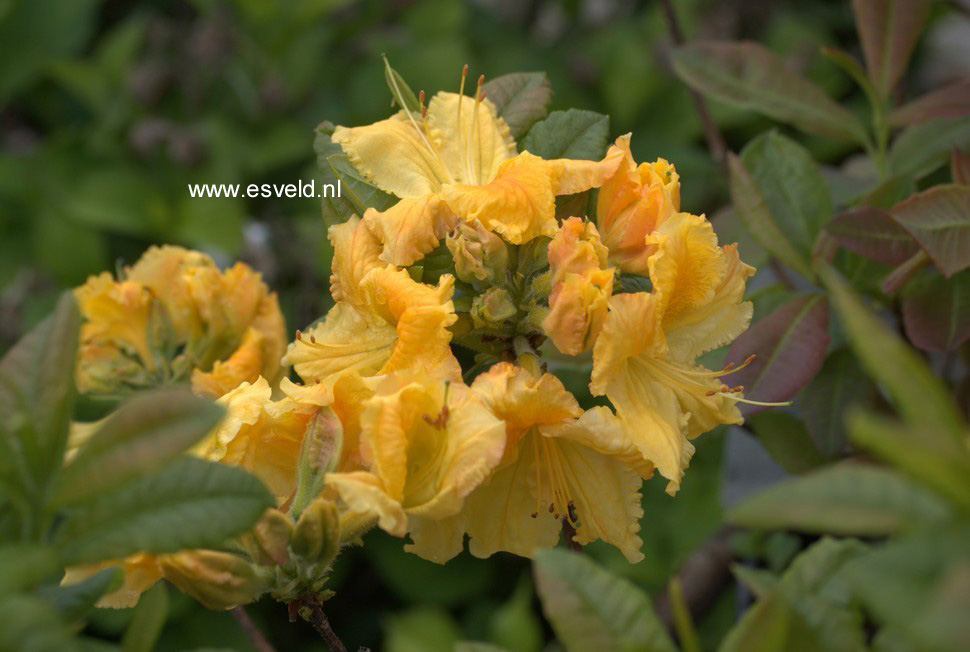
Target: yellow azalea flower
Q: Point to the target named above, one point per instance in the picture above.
(142, 571)
(457, 161)
(582, 285)
(560, 466)
(632, 204)
(427, 443)
(391, 322)
(644, 358)
(175, 316)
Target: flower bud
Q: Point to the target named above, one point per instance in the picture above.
(576, 248)
(578, 308)
(493, 308)
(632, 204)
(268, 542)
(316, 537)
(480, 255)
(219, 580)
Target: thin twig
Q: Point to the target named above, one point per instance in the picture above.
(715, 141)
(252, 631)
(310, 609)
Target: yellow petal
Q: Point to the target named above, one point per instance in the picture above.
(606, 497)
(363, 492)
(395, 155)
(115, 315)
(436, 540)
(349, 339)
(142, 571)
(577, 310)
(356, 251)
(576, 248)
(246, 364)
(519, 204)
(631, 327)
(472, 141)
(571, 176)
(167, 271)
(410, 228)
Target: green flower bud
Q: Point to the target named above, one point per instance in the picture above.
(268, 542)
(491, 309)
(479, 255)
(219, 580)
(316, 538)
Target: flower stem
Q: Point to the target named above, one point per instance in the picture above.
(310, 609)
(256, 637)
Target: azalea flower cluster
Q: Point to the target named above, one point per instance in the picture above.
(428, 375)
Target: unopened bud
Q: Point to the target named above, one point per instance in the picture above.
(493, 308)
(219, 580)
(479, 254)
(316, 537)
(322, 448)
(268, 542)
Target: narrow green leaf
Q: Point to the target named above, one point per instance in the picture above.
(920, 396)
(521, 98)
(29, 623)
(849, 499)
(572, 134)
(145, 433)
(770, 625)
(939, 463)
(939, 219)
(959, 167)
(825, 401)
(147, 623)
(37, 393)
(24, 566)
(75, 601)
(400, 91)
(851, 66)
(889, 30)
(759, 581)
(936, 311)
(190, 503)
(951, 101)
(922, 148)
(787, 441)
(794, 190)
(754, 212)
(789, 345)
(357, 193)
(748, 75)
(919, 585)
(592, 610)
(820, 563)
(872, 233)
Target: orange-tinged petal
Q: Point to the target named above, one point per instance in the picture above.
(356, 251)
(142, 571)
(246, 364)
(410, 228)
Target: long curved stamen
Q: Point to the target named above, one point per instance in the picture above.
(471, 170)
(728, 369)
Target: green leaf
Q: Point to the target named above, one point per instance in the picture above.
(849, 499)
(917, 392)
(37, 397)
(147, 623)
(919, 585)
(145, 433)
(889, 30)
(770, 625)
(357, 193)
(75, 601)
(789, 345)
(749, 76)
(959, 167)
(872, 233)
(29, 623)
(940, 463)
(851, 66)
(515, 624)
(922, 148)
(753, 211)
(190, 503)
(24, 566)
(421, 629)
(521, 98)
(477, 646)
(400, 91)
(786, 440)
(793, 188)
(951, 101)
(759, 581)
(939, 219)
(936, 311)
(825, 401)
(572, 134)
(591, 610)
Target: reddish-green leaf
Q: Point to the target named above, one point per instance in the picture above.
(922, 148)
(872, 233)
(959, 167)
(521, 98)
(951, 101)
(748, 75)
(936, 311)
(753, 211)
(790, 346)
(889, 30)
(825, 401)
(939, 219)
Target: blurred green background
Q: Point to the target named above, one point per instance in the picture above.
(110, 108)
